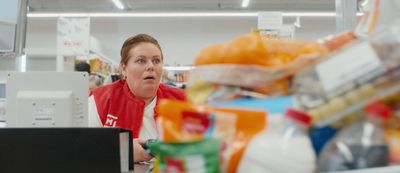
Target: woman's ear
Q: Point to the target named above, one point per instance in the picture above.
(123, 71)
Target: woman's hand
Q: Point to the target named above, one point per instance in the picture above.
(139, 154)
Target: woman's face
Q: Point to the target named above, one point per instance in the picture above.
(143, 70)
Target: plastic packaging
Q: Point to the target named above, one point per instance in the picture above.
(377, 14)
(329, 93)
(359, 146)
(238, 75)
(335, 42)
(326, 80)
(321, 136)
(201, 156)
(392, 128)
(250, 49)
(271, 63)
(284, 149)
(370, 59)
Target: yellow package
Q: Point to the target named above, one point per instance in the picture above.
(392, 137)
(182, 122)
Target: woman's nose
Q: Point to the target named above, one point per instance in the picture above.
(150, 66)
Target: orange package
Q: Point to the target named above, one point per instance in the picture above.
(182, 122)
(250, 49)
(211, 55)
(337, 41)
(247, 49)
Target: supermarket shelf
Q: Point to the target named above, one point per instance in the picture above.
(388, 169)
(383, 93)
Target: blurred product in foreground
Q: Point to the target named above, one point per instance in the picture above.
(284, 149)
(359, 146)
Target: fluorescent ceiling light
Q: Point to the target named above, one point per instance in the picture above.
(188, 14)
(22, 64)
(118, 4)
(245, 3)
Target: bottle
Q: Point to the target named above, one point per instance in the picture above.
(392, 132)
(360, 145)
(285, 148)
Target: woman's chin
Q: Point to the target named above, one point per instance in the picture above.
(148, 89)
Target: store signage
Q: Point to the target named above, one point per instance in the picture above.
(73, 36)
(270, 20)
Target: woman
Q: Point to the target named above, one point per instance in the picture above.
(130, 103)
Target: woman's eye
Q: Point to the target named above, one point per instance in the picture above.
(156, 61)
(141, 61)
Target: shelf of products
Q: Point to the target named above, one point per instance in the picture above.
(176, 75)
(101, 70)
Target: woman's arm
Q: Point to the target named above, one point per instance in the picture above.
(139, 154)
(93, 115)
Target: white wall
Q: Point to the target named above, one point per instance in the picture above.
(6, 64)
(181, 38)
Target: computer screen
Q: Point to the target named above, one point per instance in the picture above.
(47, 99)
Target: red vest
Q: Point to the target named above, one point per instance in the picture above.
(118, 107)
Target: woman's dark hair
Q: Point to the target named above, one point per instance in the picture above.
(82, 66)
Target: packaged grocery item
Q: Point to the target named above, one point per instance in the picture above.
(392, 128)
(392, 136)
(284, 149)
(335, 42)
(203, 92)
(376, 15)
(211, 55)
(368, 21)
(359, 146)
(182, 122)
(270, 62)
(325, 81)
(200, 156)
(320, 136)
(275, 106)
(369, 59)
(246, 49)
(267, 81)
(281, 53)
(329, 93)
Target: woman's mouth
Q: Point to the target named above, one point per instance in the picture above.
(149, 78)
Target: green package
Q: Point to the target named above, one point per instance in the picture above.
(201, 156)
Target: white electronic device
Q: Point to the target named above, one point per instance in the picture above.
(2, 102)
(47, 99)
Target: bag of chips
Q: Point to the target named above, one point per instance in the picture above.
(182, 122)
(201, 156)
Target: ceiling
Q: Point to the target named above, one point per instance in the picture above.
(179, 5)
